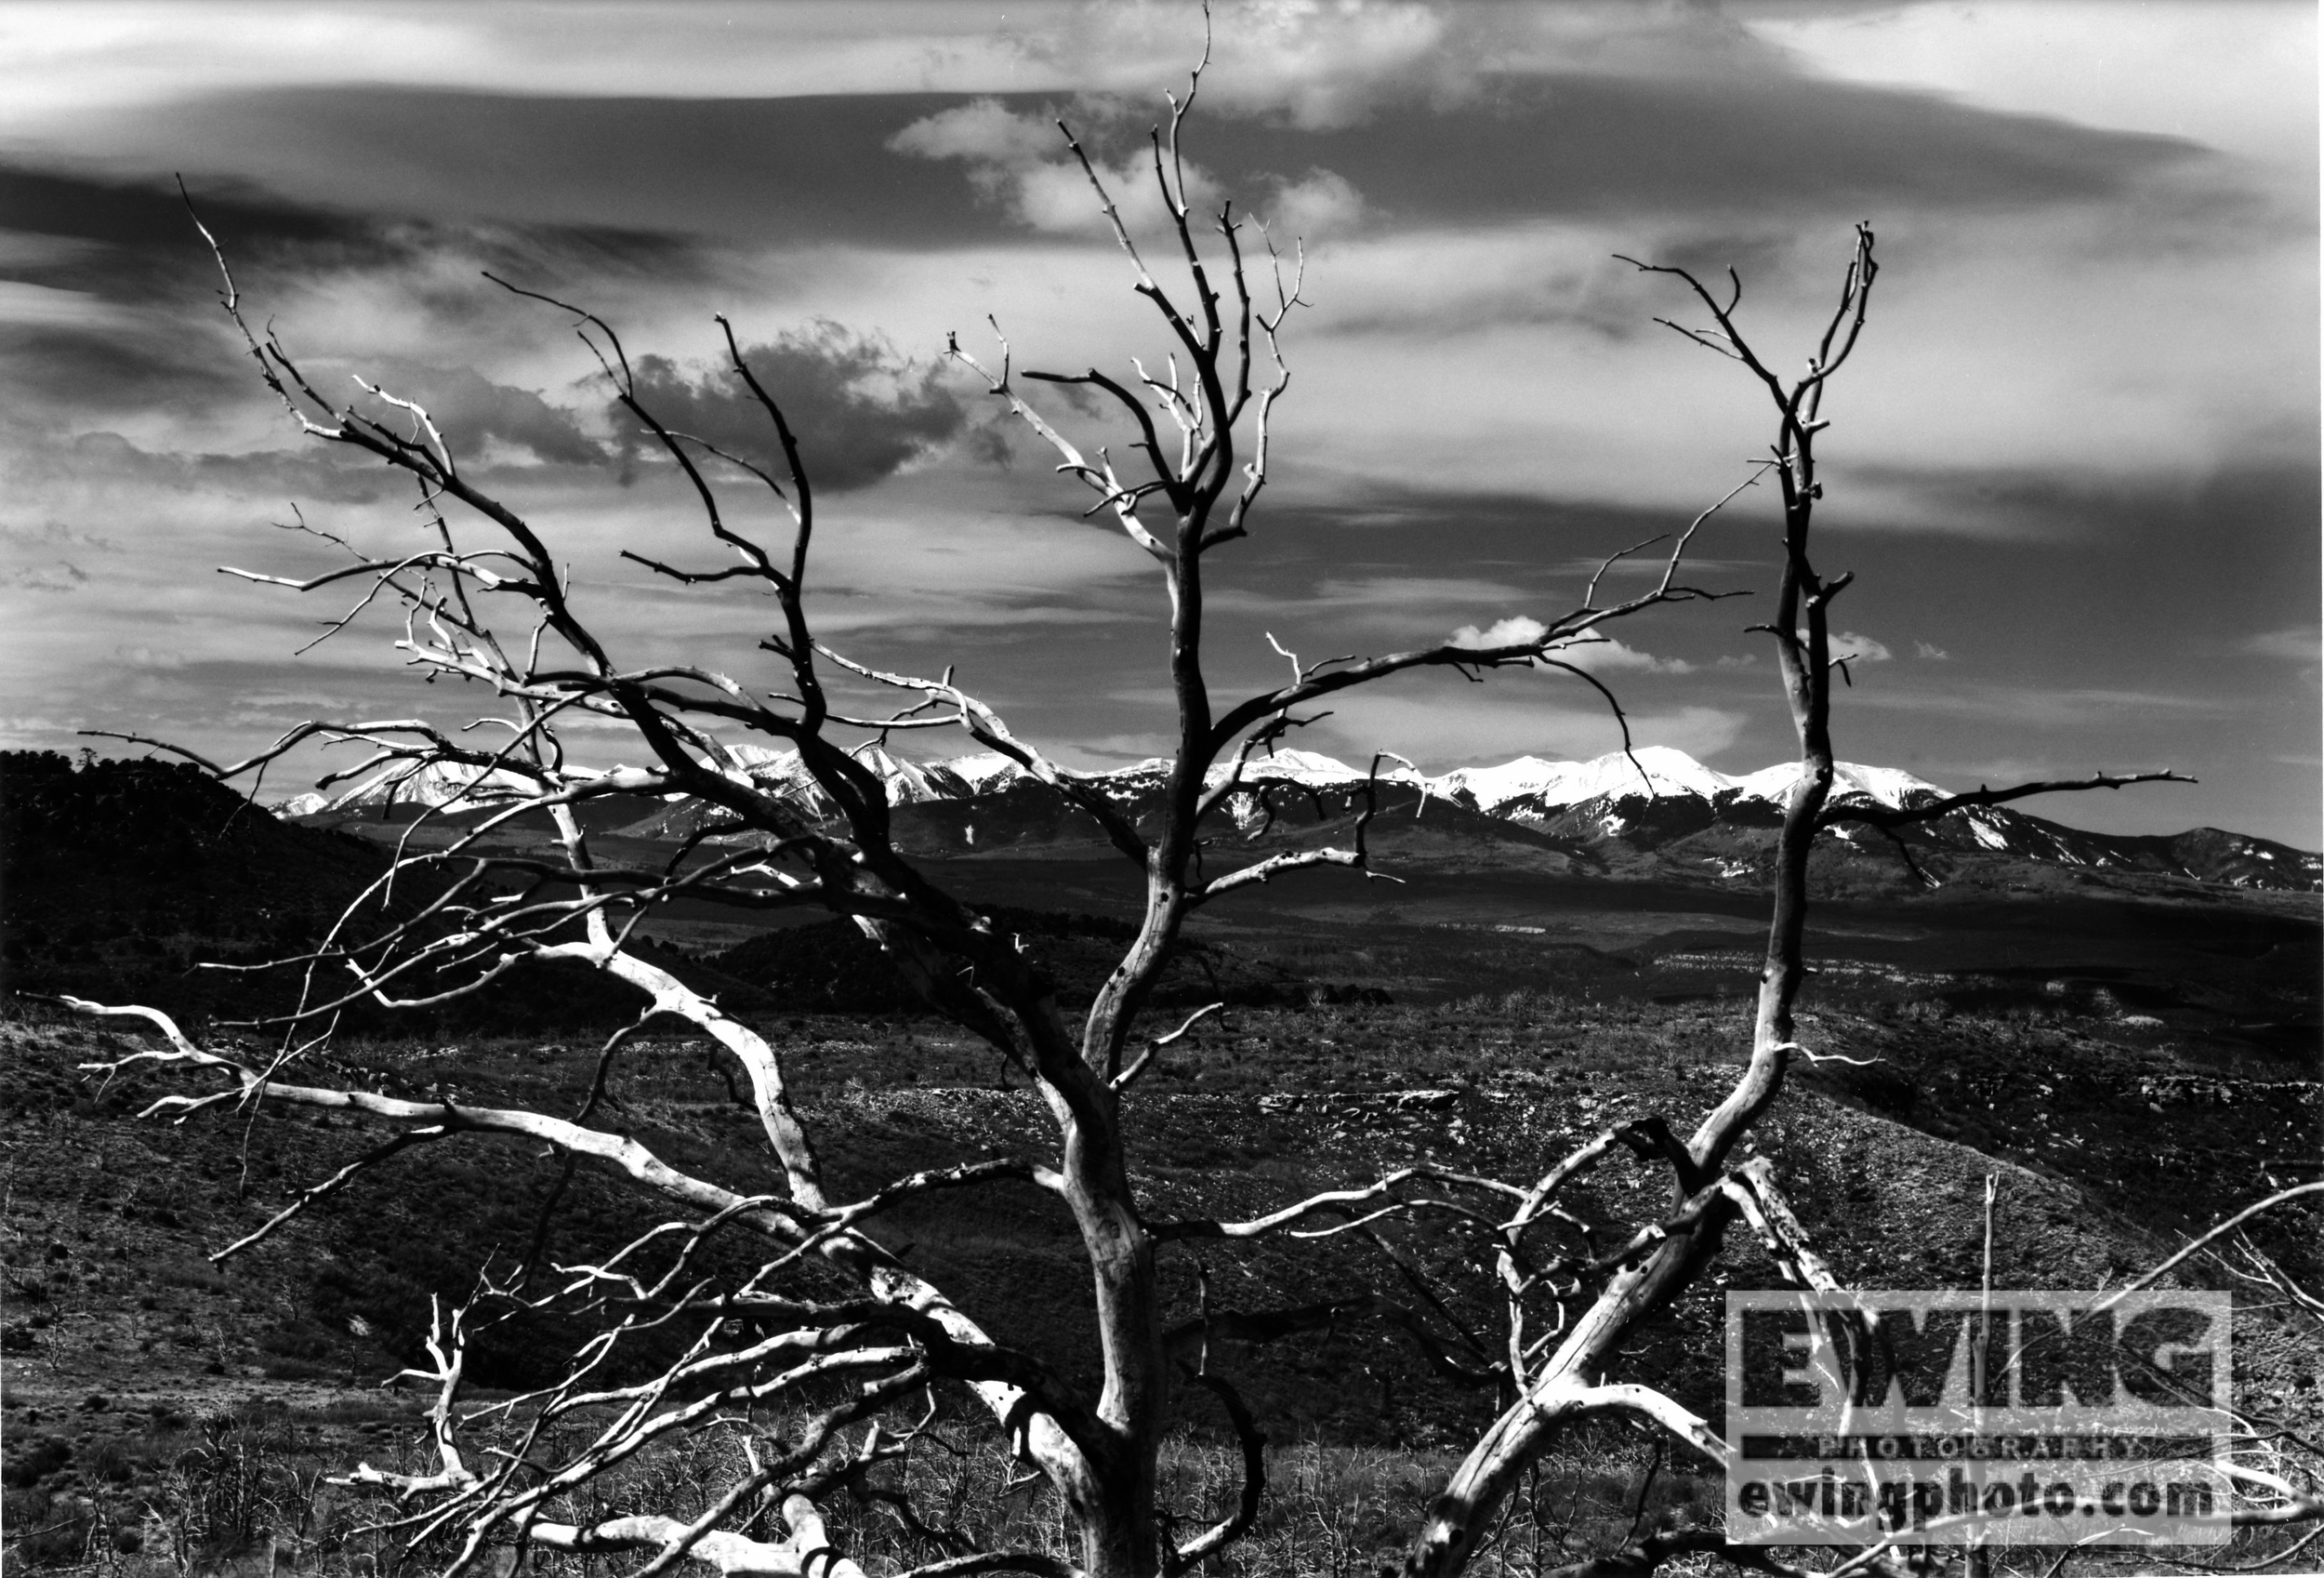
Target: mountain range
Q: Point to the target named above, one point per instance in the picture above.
(1656, 800)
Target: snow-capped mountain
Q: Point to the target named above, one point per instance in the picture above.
(1667, 801)
(453, 785)
(1531, 788)
(908, 783)
(1884, 786)
(1311, 768)
(1656, 800)
(985, 770)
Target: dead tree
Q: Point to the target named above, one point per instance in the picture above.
(1571, 1313)
(487, 604)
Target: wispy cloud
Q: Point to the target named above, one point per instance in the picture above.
(45, 306)
(1607, 655)
(96, 467)
(2295, 646)
(59, 575)
(35, 731)
(54, 536)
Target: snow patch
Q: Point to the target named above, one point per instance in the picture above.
(1298, 766)
(985, 770)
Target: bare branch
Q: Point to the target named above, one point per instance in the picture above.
(1254, 1445)
(2210, 1237)
(1130, 1075)
(395, 1146)
(1900, 817)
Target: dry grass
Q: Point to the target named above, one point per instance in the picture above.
(243, 1494)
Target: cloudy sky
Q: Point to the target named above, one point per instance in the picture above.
(2074, 466)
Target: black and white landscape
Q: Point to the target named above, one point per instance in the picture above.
(1124, 791)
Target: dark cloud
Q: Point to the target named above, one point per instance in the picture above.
(1706, 145)
(826, 170)
(135, 241)
(796, 169)
(469, 409)
(860, 409)
(130, 320)
(140, 213)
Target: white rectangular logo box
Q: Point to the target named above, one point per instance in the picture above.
(1962, 1418)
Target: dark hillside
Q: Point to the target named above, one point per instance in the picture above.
(119, 877)
(160, 851)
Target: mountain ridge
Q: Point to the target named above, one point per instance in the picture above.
(1656, 798)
